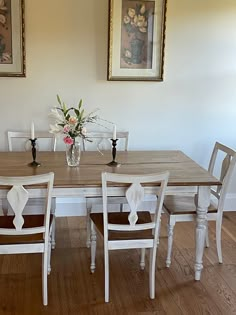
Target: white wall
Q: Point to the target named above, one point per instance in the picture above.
(66, 54)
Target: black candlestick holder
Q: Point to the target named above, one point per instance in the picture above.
(33, 144)
(113, 162)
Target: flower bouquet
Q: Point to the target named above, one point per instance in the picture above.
(70, 122)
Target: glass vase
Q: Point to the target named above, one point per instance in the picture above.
(73, 153)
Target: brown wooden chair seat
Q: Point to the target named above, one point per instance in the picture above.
(30, 221)
(122, 218)
(183, 205)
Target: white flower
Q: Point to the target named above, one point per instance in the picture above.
(137, 19)
(69, 121)
(2, 19)
(141, 21)
(131, 13)
(2, 5)
(126, 19)
(143, 9)
(56, 129)
(128, 54)
(5, 57)
(56, 116)
(143, 29)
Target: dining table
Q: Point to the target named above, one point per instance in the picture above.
(186, 177)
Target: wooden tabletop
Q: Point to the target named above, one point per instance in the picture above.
(183, 170)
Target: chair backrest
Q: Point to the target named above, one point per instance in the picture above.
(222, 164)
(138, 186)
(102, 140)
(25, 144)
(18, 190)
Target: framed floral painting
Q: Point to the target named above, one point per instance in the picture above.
(12, 41)
(136, 40)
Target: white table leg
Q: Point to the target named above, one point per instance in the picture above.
(202, 204)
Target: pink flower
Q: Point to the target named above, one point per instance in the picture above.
(68, 140)
(66, 128)
(73, 120)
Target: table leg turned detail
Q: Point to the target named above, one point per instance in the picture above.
(202, 204)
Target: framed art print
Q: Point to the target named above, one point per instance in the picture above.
(136, 40)
(12, 39)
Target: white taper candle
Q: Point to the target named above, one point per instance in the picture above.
(114, 133)
(32, 131)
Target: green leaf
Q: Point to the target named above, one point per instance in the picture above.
(58, 99)
(81, 113)
(80, 103)
(67, 110)
(59, 108)
(77, 112)
(64, 106)
(77, 126)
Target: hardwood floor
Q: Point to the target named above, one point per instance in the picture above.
(73, 290)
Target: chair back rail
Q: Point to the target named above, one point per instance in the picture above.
(104, 138)
(135, 194)
(227, 165)
(18, 195)
(27, 135)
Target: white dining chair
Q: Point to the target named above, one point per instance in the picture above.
(21, 233)
(19, 141)
(132, 229)
(183, 208)
(100, 140)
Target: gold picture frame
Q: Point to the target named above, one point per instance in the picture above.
(12, 38)
(136, 40)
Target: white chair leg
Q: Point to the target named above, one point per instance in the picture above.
(53, 239)
(142, 259)
(170, 243)
(207, 242)
(49, 254)
(159, 232)
(93, 244)
(218, 238)
(53, 210)
(45, 277)
(106, 272)
(89, 208)
(152, 268)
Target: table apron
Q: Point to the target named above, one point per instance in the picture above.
(97, 192)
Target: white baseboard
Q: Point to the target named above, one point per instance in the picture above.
(66, 207)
